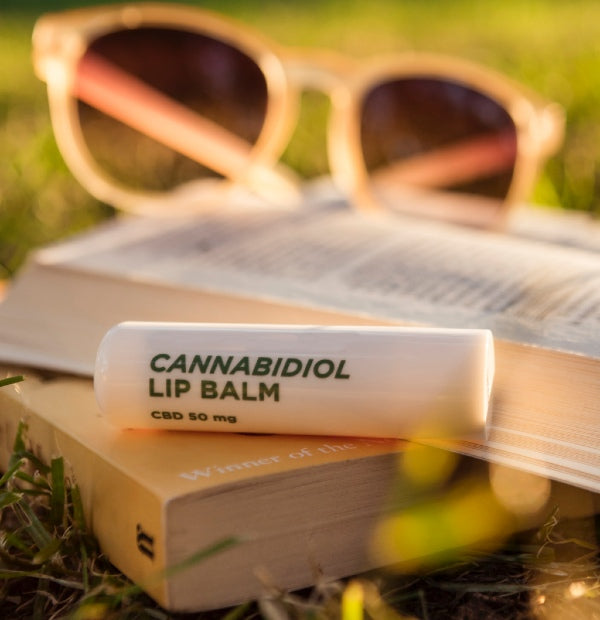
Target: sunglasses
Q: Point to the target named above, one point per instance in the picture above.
(163, 109)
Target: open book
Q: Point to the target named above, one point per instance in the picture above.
(537, 287)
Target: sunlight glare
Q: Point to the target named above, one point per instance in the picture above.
(467, 516)
(520, 492)
(577, 589)
(425, 466)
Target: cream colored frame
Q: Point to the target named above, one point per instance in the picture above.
(60, 40)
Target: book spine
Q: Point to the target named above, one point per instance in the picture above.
(124, 516)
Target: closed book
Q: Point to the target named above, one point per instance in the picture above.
(299, 509)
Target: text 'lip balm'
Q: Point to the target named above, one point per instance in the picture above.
(397, 382)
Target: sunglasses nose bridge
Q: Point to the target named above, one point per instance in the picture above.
(320, 71)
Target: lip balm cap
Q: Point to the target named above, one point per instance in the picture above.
(114, 354)
(101, 370)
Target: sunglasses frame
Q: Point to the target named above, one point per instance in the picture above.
(61, 39)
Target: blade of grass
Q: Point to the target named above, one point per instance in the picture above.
(201, 555)
(187, 563)
(57, 497)
(83, 554)
(353, 601)
(43, 555)
(18, 446)
(13, 541)
(13, 468)
(11, 380)
(40, 599)
(8, 498)
(34, 461)
(77, 508)
(34, 527)
(20, 451)
(8, 574)
(41, 485)
(241, 611)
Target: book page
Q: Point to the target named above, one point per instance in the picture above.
(386, 266)
(576, 229)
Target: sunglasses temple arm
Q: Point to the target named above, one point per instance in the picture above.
(464, 161)
(552, 118)
(122, 96)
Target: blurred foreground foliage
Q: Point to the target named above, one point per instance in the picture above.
(552, 46)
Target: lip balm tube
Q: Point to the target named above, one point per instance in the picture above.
(355, 381)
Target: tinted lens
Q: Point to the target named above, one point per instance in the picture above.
(142, 93)
(437, 134)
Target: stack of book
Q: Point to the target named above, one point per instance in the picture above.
(301, 507)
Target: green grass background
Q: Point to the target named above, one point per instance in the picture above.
(553, 46)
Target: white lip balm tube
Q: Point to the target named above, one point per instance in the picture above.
(399, 382)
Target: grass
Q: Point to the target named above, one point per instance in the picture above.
(550, 46)
(50, 565)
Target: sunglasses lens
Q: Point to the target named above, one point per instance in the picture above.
(437, 135)
(157, 105)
